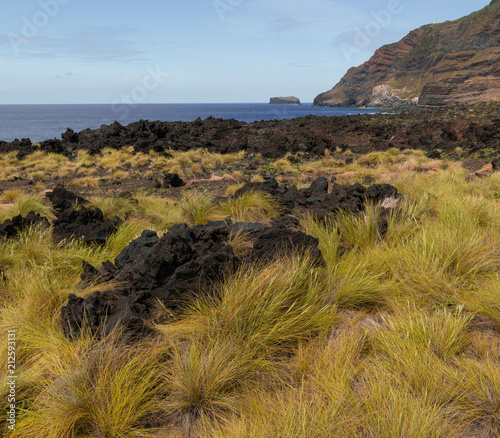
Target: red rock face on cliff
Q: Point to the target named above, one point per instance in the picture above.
(436, 65)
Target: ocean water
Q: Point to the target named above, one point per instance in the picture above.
(41, 122)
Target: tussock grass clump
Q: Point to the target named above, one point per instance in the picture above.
(113, 159)
(285, 166)
(120, 174)
(232, 189)
(238, 175)
(439, 262)
(119, 206)
(197, 169)
(159, 212)
(100, 388)
(11, 196)
(233, 342)
(479, 389)
(127, 231)
(488, 297)
(197, 209)
(251, 206)
(328, 234)
(397, 412)
(24, 204)
(257, 179)
(442, 333)
(360, 230)
(270, 308)
(88, 181)
(356, 275)
(242, 244)
(205, 379)
(356, 282)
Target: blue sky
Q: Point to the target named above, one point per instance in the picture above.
(196, 51)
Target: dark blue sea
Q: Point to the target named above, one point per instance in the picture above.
(41, 122)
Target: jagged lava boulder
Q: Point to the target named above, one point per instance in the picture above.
(12, 227)
(186, 262)
(62, 199)
(318, 200)
(86, 224)
(75, 221)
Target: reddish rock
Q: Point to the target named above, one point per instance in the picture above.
(436, 65)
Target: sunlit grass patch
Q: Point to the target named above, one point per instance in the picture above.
(88, 181)
(328, 234)
(140, 160)
(11, 196)
(257, 179)
(197, 169)
(361, 230)
(229, 158)
(102, 388)
(251, 206)
(285, 166)
(117, 206)
(232, 189)
(272, 307)
(356, 282)
(160, 212)
(242, 244)
(487, 297)
(391, 411)
(478, 384)
(83, 158)
(26, 203)
(127, 231)
(443, 333)
(120, 174)
(438, 262)
(205, 380)
(197, 209)
(113, 159)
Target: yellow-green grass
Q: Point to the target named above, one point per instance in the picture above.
(85, 170)
(251, 206)
(396, 335)
(22, 203)
(94, 388)
(197, 209)
(87, 181)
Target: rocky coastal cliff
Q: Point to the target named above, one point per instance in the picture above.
(435, 65)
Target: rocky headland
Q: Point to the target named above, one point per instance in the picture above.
(435, 65)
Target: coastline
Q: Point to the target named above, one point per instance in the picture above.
(443, 130)
(42, 122)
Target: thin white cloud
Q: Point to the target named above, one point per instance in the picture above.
(93, 44)
(283, 26)
(318, 63)
(292, 18)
